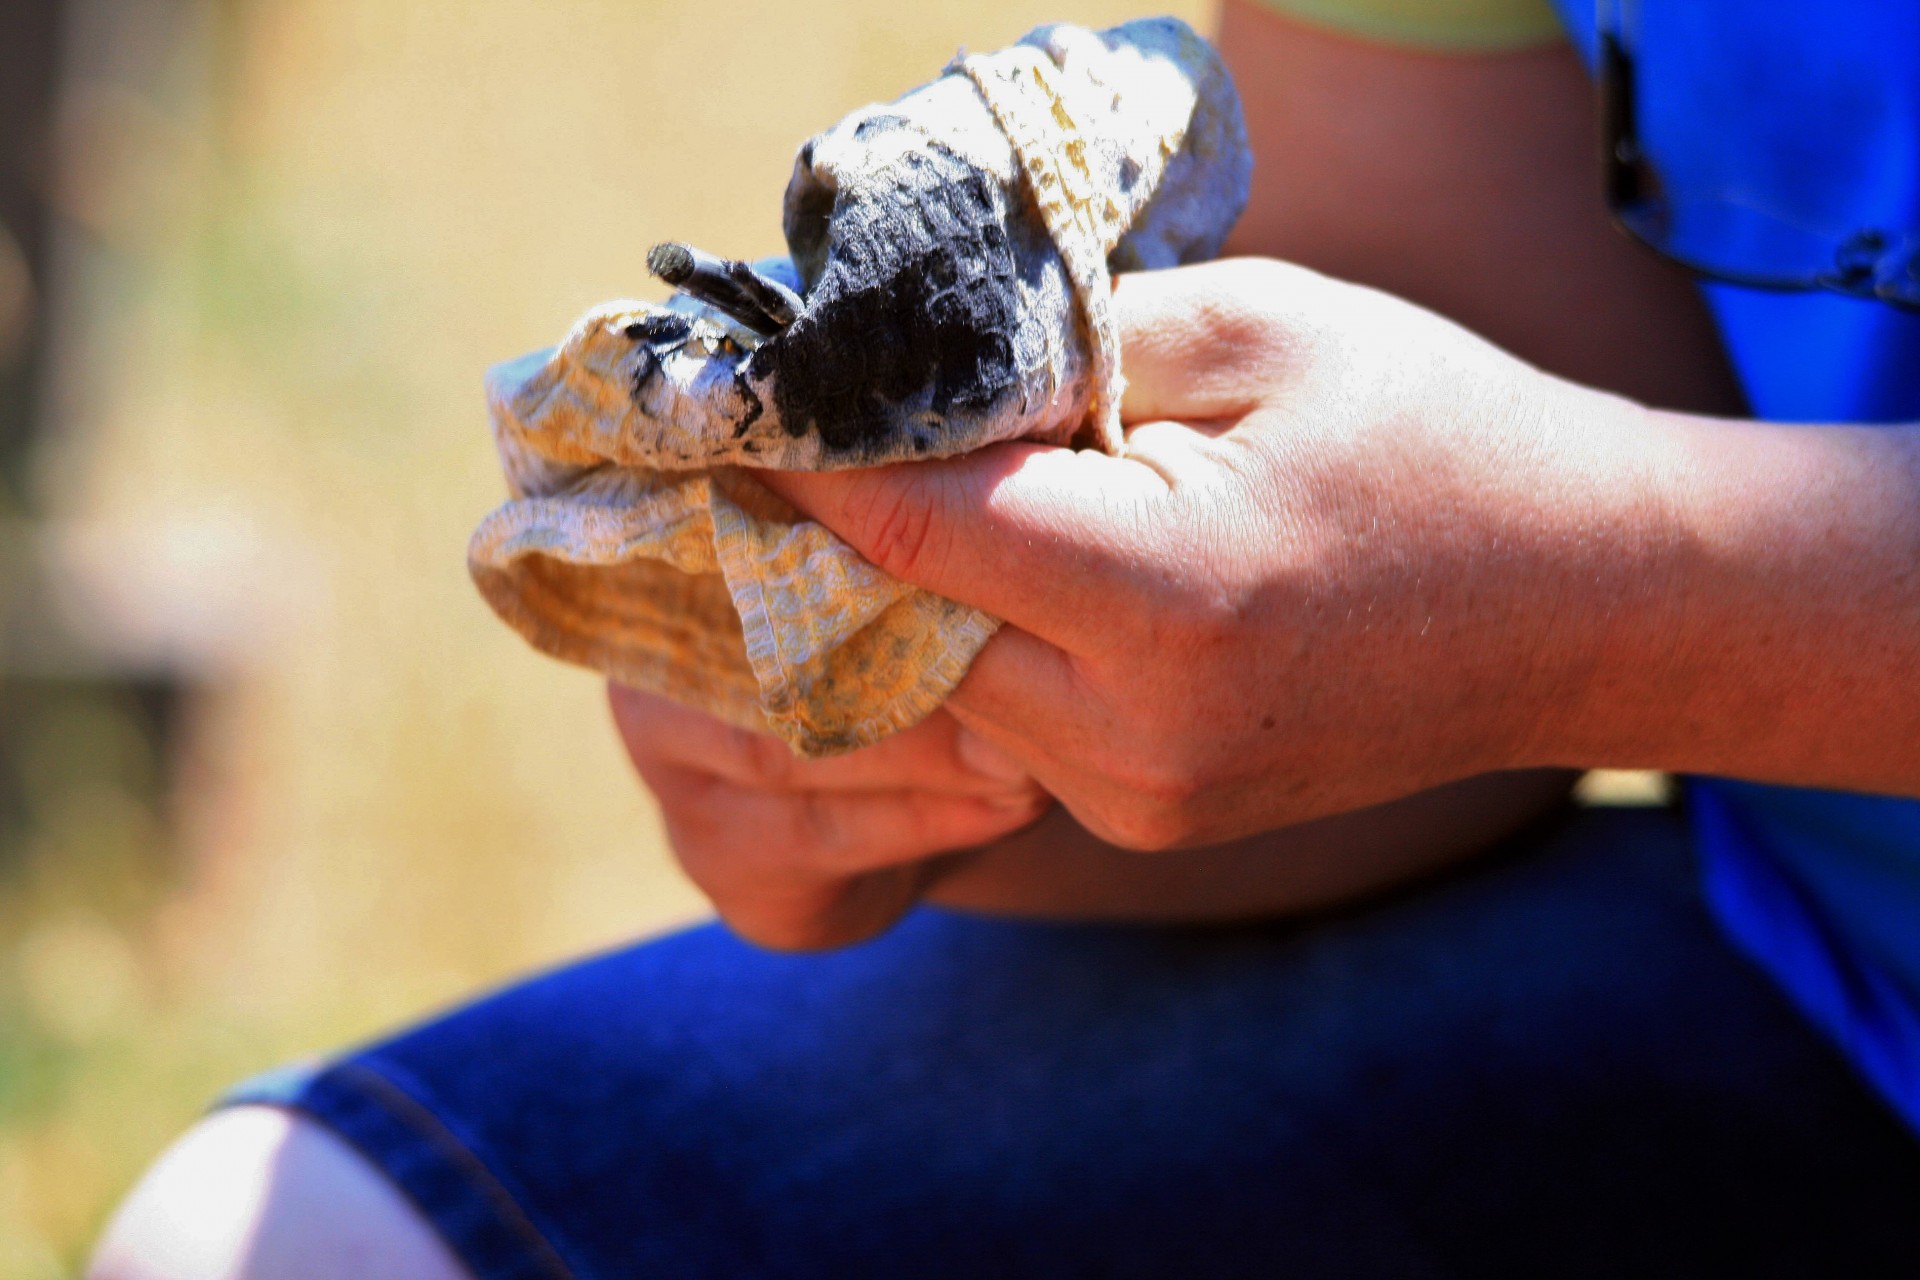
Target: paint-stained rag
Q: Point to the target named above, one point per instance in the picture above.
(953, 249)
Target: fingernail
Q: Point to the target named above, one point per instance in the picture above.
(986, 759)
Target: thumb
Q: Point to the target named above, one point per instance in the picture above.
(1035, 535)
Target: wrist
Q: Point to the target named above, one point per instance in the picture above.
(1742, 600)
(1606, 583)
(1575, 590)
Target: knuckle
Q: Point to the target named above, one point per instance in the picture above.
(1236, 323)
(1173, 791)
(1158, 806)
(1266, 313)
(1224, 618)
(1202, 618)
(1142, 829)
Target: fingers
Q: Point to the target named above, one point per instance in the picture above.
(814, 868)
(1041, 537)
(812, 853)
(1023, 702)
(732, 838)
(837, 913)
(932, 756)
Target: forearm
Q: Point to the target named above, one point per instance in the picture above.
(1761, 617)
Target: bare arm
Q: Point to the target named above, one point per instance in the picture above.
(1775, 633)
(1469, 184)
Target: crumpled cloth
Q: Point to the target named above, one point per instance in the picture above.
(954, 250)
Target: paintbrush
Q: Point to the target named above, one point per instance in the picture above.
(757, 301)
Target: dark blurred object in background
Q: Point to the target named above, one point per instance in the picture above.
(56, 687)
(83, 735)
(29, 56)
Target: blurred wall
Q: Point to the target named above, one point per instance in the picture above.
(289, 237)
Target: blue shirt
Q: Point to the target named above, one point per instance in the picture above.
(1822, 889)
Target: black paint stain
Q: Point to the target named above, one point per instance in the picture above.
(645, 366)
(661, 326)
(878, 124)
(913, 311)
(661, 329)
(752, 399)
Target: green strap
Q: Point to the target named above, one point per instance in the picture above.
(1450, 26)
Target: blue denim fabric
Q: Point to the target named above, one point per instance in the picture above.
(1552, 1066)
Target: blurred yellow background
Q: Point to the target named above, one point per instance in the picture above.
(275, 777)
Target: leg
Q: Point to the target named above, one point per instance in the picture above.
(1552, 1066)
(255, 1191)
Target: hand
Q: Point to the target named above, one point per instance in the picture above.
(803, 854)
(1340, 562)
(815, 853)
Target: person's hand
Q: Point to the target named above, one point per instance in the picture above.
(1342, 559)
(815, 853)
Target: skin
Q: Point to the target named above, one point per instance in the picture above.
(1427, 557)
(253, 1191)
(800, 854)
(1264, 403)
